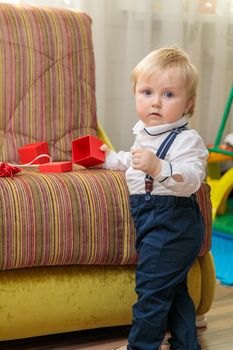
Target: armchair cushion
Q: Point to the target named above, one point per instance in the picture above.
(48, 84)
(205, 205)
(80, 217)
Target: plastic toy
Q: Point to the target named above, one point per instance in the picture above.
(222, 248)
(222, 208)
(220, 191)
(229, 140)
(221, 188)
(216, 147)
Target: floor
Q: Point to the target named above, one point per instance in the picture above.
(217, 336)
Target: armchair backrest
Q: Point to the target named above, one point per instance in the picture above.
(47, 75)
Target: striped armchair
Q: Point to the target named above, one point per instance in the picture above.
(67, 253)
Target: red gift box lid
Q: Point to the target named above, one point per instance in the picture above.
(55, 167)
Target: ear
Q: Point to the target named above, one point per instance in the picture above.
(189, 105)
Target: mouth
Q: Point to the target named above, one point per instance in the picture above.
(154, 114)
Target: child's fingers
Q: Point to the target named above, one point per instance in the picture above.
(137, 150)
(104, 148)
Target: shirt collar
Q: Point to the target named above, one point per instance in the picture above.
(139, 126)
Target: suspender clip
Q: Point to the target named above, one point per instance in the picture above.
(148, 186)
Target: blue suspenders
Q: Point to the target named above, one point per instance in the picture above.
(161, 153)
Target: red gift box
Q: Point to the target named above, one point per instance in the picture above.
(86, 151)
(29, 153)
(55, 167)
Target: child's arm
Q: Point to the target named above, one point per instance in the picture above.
(183, 169)
(147, 161)
(114, 160)
(187, 158)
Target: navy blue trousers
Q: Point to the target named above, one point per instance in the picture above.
(170, 232)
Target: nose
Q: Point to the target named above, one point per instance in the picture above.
(156, 101)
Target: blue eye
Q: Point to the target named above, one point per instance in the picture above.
(147, 92)
(168, 94)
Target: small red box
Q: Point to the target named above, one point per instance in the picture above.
(55, 167)
(86, 151)
(30, 151)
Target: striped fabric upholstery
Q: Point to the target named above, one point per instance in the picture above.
(205, 205)
(47, 88)
(81, 217)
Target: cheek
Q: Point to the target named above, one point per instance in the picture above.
(176, 107)
(142, 111)
(140, 104)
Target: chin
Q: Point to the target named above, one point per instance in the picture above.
(154, 123)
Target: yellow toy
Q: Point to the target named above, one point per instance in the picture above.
(221, 186)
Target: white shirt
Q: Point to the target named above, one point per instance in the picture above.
(187, 157)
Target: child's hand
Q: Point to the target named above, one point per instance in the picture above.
(147, 161)
(105, 149)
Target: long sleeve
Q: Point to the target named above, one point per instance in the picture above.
(188, 158)
(117, 161)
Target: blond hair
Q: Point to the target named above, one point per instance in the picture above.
(167, 58)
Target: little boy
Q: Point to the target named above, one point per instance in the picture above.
(164, 169)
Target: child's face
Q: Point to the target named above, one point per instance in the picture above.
(161, 98)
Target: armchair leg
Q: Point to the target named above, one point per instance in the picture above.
(201, 321)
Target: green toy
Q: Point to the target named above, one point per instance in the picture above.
(222, 127)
